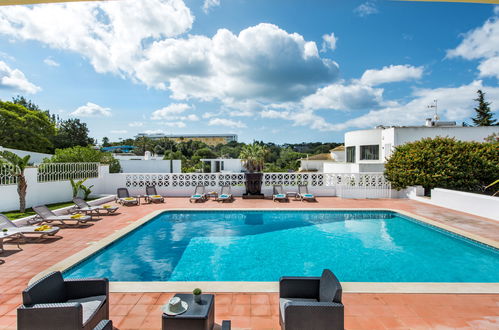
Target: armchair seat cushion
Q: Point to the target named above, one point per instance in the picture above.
(90, 305)
(284, 302)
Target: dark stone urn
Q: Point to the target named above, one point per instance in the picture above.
(253, 185)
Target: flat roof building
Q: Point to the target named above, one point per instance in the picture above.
(209, 139)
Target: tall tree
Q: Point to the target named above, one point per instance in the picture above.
(70, 133)
(105, 141)
(25, 129)
(483, 113)
(17, 167)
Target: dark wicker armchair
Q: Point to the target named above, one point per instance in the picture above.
(54, 303)
(312, 303)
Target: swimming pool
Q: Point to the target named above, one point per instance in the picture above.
(359, 246)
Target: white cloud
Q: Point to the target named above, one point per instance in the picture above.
(15, 79)
(329, 42)
(392, 73)
(366, 9)
(119, 131)
(226, 122)
(208, 115)
(110, 34)
(178, 124)
(481, 44)
(154, 131)
(168, 112)
(455, 104)
(262, 63)
(91, 110)
(208, 4)
(50, 62)
(136, 124)
(344, 97)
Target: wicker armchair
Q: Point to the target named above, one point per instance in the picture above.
(312, 303)
(55, 303)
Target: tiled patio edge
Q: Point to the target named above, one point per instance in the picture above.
(357, 287)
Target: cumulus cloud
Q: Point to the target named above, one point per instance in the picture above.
(367, 8)
(50, 62)
(110, 34)
(92, 110)
(136, 124)
(170, 111)
(481, 43)
(208, 4)
(392, 73)
(16, 80)
(263, 62)
(344, 97)
(226, 122)
(328, 42)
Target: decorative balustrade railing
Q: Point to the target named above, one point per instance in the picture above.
(319, 180)
(6, 176)
(65, 171)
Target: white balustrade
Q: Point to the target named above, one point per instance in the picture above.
(6, 177)
(66, 171)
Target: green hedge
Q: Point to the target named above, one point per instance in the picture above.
(444, 163)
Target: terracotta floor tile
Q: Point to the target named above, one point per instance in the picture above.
(119, 310)
(241, 299)
(149, 298)
(132, 322)
(241, 310)
(414, 322)
(259, 322)
(224, 298)
(392, 322)
(260, 299)
(130, 299)
(260, 310)
(370, 322)
(241, 322)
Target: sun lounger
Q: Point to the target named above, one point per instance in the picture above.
(45, 215)
(123, 197)
(225, 194)
(199, 194)
(278, 193)
(303, 193)
(84, 207)
(152, 195)
(22, 231)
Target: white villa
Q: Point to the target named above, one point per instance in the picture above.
(225, 165)
(367, 150)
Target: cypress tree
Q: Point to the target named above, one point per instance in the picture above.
(483, 113)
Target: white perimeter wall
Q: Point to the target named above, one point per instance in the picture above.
(476, 204)
(45, 192)
(409, 134)
(35, 157)
(150, 166)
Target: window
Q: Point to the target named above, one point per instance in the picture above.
(350, 154)
(369, 152)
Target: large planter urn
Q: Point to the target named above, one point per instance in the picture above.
(253, 185)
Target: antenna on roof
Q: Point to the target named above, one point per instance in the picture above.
(434, 106)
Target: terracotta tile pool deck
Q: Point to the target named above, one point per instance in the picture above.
(259, 310)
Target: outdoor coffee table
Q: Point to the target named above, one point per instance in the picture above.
(293, 194)
(212, 194)
(196, 317)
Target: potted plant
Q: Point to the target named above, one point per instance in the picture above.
(5, 230)
(253, 157)
(197, 295)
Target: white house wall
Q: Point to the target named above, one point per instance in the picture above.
(150, 166)
(409, 134)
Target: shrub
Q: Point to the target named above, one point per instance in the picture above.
(80, 154)
(444, 163)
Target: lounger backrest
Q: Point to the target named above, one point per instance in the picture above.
(302, 189)
(43, 211)
(122, 193)
(80, 202)
(151, 190)
(278, 189)
(5, 222)
(199, 190)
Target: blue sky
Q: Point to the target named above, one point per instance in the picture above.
(279, 71)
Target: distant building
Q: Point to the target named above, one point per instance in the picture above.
(225, 165)
(209, 139)
(367, 150)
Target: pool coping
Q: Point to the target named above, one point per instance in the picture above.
(240, 286)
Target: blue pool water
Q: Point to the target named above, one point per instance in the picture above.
(359, 246)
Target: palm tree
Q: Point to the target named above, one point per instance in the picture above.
(16, 167)
(253, 156)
